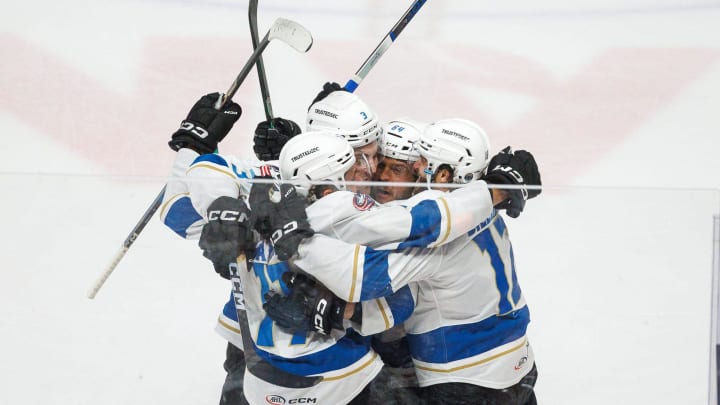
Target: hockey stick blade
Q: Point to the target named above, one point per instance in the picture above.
(290, 32)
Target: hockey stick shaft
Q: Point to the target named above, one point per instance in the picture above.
(147, 216)
(287, 31)
(259, 65)
(383, 46)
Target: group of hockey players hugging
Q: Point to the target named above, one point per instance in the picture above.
(349, 292)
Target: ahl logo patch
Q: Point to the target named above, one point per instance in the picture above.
(275, 399)
(363, 202)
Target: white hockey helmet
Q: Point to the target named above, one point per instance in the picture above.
(317, 155)
(458, 143)
(345, 115)
(398, 137)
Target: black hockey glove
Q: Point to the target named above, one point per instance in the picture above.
(278, 213)
(310, 306)
(205, 126)
(268, 142)
(328, 88)
(518, 169)
(227, 234)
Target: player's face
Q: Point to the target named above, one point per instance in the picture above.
(393, 170)
(366, 161)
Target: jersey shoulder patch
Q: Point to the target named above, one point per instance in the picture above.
(363, 202)
(267, 171)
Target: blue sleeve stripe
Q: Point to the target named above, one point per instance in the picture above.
(181, 215)
(401, 304)
(211, 158)
(346, 351)
(229, 309)
(376, 280)
(457, 342)
(425, 228)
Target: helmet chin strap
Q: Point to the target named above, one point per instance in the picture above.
(428, 177)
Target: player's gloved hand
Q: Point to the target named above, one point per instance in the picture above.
(328, 88)
(278, 212)
(518, 169)
(227, 233)
(310, 306)
(268, 141)
(205, 126)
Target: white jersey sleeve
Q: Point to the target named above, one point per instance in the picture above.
(176, 210)
(359, 273)
(429, 219)
(194, 186)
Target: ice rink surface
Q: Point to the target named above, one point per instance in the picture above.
(618, 100)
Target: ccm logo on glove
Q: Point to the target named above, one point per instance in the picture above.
(517, 176)
(320, 309)
(189, 126)
(228, 215)
(286, 229)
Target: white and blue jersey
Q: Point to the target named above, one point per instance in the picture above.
(198, 180)
(432, 219)
(470, 319)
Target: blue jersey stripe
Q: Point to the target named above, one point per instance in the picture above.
(425, 228)
(211, 158)
(181, 215)
(457, 342)
(229, 308)
(346, 351)
(376, 280)
(401, 304)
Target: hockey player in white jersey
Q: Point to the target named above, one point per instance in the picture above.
(468, 332)
(194, 141)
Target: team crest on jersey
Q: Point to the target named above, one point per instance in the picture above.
(363, 202)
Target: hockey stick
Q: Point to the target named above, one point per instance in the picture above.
(370, 62)
(290, 32)
(259, 65)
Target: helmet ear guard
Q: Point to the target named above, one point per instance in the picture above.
(346, 115)
(458, 143)
(315, 156)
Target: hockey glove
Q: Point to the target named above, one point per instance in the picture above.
(278, 213)
(328, 88)
(309, 306)
(205, 126)
(227, 234)
(517, 169)
(268, 141)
